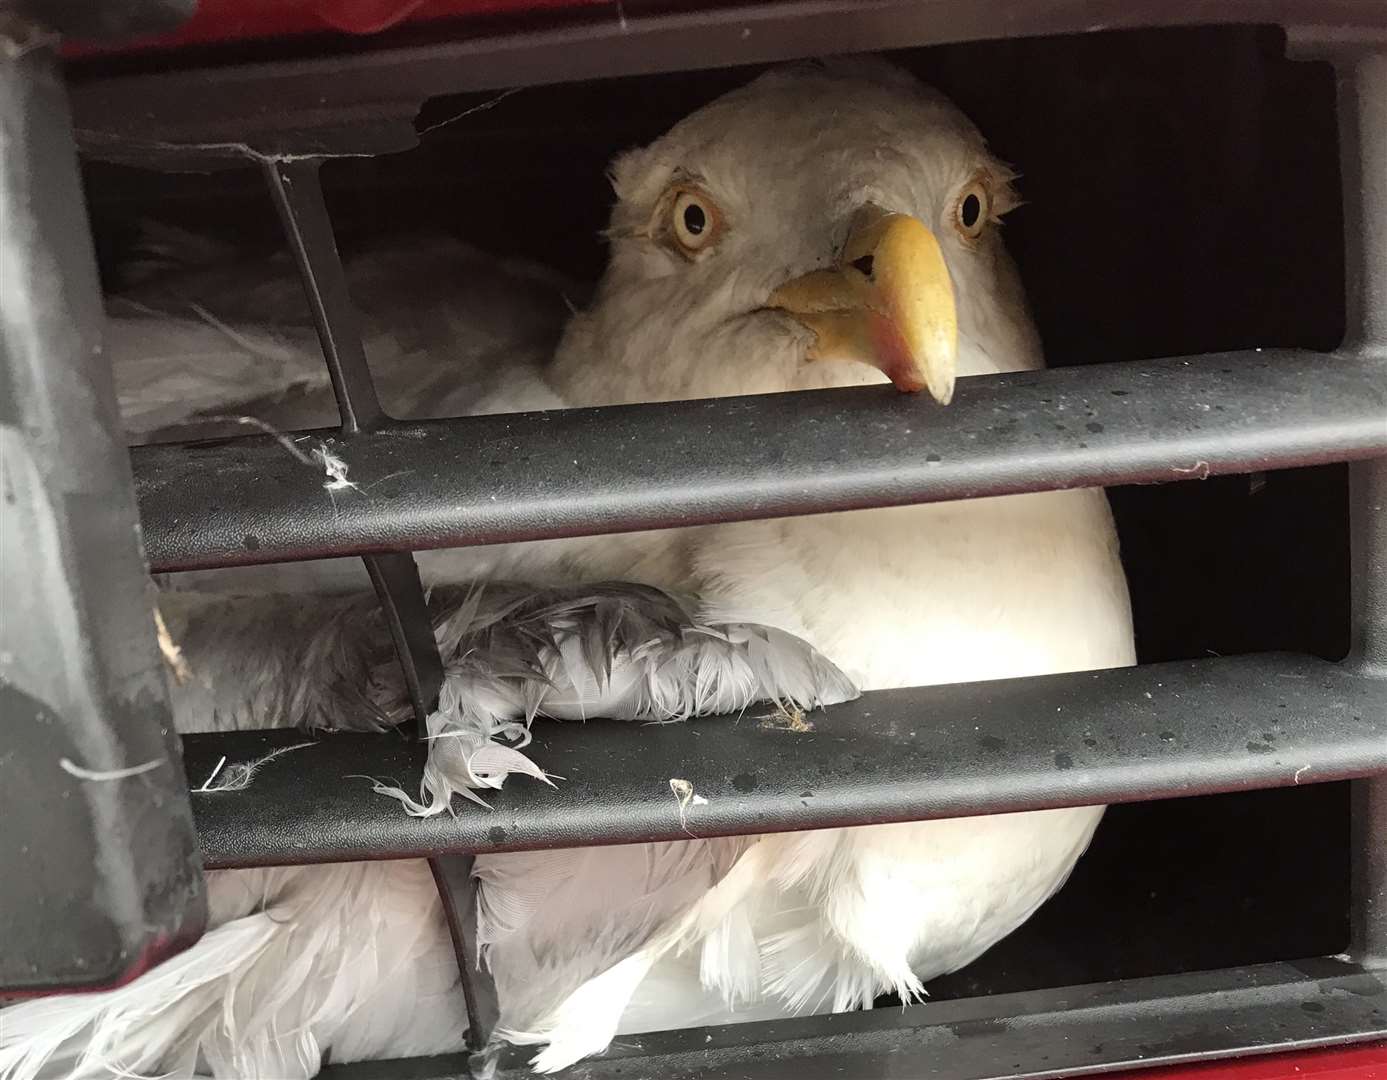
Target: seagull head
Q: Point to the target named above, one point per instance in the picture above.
(829, 224)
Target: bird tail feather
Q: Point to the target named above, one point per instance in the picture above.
(587, 1020)
(137, 1028)
(331, 957)
(172, 367)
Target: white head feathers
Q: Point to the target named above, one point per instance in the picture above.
(783, 164)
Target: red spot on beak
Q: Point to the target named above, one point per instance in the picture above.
(893, 355)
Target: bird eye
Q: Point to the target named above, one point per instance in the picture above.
(694, 221)
(973, 209)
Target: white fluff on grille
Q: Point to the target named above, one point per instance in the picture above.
(602, 941)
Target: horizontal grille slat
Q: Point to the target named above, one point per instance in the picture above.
(1131, 734)
(496, 479)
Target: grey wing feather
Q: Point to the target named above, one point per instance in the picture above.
(618, 650)
(510, 653)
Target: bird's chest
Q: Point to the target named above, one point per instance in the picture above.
(956, 592)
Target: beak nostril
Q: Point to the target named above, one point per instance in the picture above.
(887, 301)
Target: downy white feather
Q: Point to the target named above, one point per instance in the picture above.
(300, 960)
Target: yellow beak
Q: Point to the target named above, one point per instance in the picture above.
(889, 303)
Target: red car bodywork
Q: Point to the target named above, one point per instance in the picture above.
(221, 21)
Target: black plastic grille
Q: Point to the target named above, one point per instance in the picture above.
(1162, 730)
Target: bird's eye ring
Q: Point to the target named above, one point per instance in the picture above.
(973, 209)
(694, 220)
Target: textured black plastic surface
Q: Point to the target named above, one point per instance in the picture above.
(107, 19)
(298, 105)
(297, 192)
(101, 876)
(1139, 733)
(492, 479)
(1044, 1033)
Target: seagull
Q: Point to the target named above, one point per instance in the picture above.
(830, 224)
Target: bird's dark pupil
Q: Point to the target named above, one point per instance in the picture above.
(694, 219)
(970, 211)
